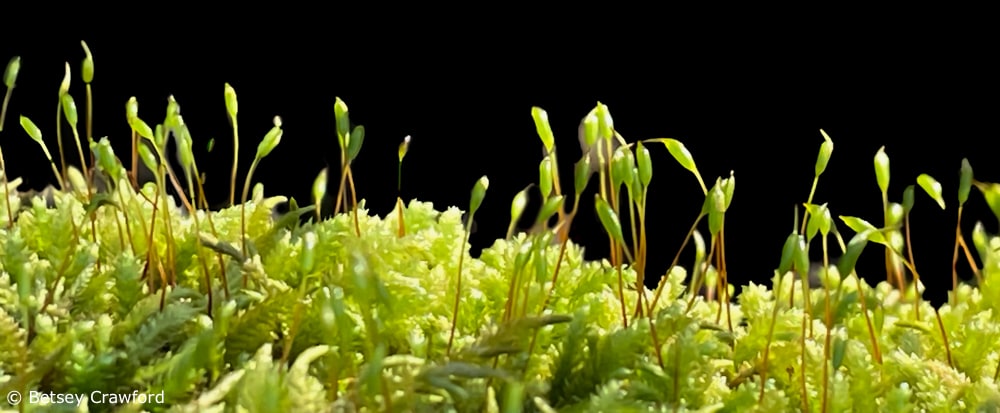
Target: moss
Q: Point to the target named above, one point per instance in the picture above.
(126, 290)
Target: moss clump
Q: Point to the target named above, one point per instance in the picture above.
(112, 290)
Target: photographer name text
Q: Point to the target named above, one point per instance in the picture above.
(94, 397)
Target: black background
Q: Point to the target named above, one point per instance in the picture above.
(751, 100)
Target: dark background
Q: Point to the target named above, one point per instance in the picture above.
(751, 101)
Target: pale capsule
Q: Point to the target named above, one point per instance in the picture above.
(599, 147)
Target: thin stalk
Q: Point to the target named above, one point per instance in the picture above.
(806, 322)
(944, 337)
(555, 278)
(829, 326)
(354, 198)
(868, 321)
(163, 288)
(562, 252)
(59, 140)
(135, 161)
(555, 275)
(604, 184)
(677, 371)
(168, 226)
(843, 249)
(540, 256)
(909, 266)
(612, 196)
(165, 166)
(3, 165)
(701, 279)
(677, 257)
(632, 207)
(900, 276)
(602, 175)
(642, 234)
(972, 261)
(916, 276)
(90, 120)
(59, 179)
(812, 192)
(556, 186)
(725, 276)
(802, 229)
(343, 181)
(638, 265)
(161, 195)
(719, 285)
(604, 195)
(510, 309)
(138, 210)
(90, 191)
(511, 295)
(641, 268)
(806, 299)
(151, 243)
(889, 271)
(802, 370)
(243, 210)
(93, 236)
(399, 172)
(616, 248)
(954, 257)
(861, 294)
(128, 227)
(193, 211)
(173, 181)
(791, 294)
(770, 336)
(211, 225)
(458, 285)
(722, 286)
(612, 244)
(6, 190)
(399, 192)
(236, 161)
(653, 335)
(621, 286)
(555, 272)
(805, 215)
(83, 163)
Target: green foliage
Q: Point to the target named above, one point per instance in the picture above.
(125, 291)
